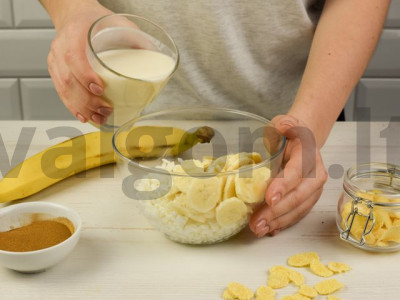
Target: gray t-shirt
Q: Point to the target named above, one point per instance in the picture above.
(247, 55)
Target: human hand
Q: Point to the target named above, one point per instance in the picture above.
(296, 188)
(78, 86)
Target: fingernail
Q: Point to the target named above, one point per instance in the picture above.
(99, 119)
(275, 198)
(261, 225)
(105, 111)
(96, 89)
(288, 123)
(263, 232)
(81, 118)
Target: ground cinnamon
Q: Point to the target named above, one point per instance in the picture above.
(37, 235)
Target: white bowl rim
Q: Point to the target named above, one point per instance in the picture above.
(197, 108)
(8, 209)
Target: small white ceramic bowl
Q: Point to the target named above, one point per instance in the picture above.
(16, 215)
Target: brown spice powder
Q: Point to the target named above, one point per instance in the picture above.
(38, 235)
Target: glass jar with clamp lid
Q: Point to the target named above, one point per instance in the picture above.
(368, 213)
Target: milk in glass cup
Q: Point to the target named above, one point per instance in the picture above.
(135, 58)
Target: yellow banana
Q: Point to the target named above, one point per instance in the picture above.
(88, 151)
(158, 141)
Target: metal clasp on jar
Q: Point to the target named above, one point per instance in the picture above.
(345, 235)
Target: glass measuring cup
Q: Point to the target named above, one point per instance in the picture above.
(135, 58)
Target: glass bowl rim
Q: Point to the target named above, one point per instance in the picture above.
(197, 109)
(89, 43)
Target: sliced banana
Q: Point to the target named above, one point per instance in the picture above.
(217, 165)
(191, 166)
(181, 182)
(230, 211)
(229, 189)
(179, 204)
(256, 157)
(235, 161)
(207, 160)
(210, 214)
(203, 194)
(252, 189)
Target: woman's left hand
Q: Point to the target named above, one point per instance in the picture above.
(296, 188)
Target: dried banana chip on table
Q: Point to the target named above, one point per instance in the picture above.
(302, 259)
(307, 291)
(237, 290)
(320, 269)
(329, 286)
(337, 267)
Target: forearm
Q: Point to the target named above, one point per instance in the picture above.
(59, 10)
(344, 42)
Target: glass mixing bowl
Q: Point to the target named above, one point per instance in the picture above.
(197, 174)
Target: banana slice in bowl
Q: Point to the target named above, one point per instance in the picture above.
(204, 194)
(230, 211)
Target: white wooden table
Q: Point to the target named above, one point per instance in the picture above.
(120, 256)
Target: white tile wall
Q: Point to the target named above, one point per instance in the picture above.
(380, 96)
(9, 99)
(30, 14)
(393, 18)
(24, 51)
(41, 102)
(5, 14)
(26, 90)
(386, 59)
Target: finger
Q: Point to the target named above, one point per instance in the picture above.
(290, 217)
(76, 60)
(59, 86)
(70, 91)
(289, 178)
(266, 214)
(294, 216)
(272, 139)
(82, 104)
(284, 122)
(73, 95)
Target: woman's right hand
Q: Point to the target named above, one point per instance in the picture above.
(78, 86)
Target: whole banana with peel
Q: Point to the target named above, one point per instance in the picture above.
(92, 150)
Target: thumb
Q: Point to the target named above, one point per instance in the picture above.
(284, 122)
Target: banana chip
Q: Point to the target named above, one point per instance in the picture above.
(278, 280)
(302, 259)
(238, 291)
(320, 269)
(392, 234)
(278, 269)
(265, 293)
(307, 291)
(265, 297)
(329, 286)
(337, 267)
(227, 295)
(280, 276)
(296, 277)
(295, 297)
